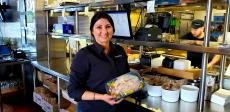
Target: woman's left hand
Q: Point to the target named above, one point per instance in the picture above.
(110, 99)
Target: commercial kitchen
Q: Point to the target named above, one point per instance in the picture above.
(40, 38)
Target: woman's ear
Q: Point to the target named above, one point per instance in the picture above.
(92, 38)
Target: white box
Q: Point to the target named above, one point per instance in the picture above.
(47, 107)
(37, 98)
(221, 97)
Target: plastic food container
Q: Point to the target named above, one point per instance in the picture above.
(189, 93)
(170, 95)
(154, 84)
(170, 92)
(125, 85)
(182, 64)
(153, 90)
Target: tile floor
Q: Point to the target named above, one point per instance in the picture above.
(17, 103)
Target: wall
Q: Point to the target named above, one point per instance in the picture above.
(202, 14)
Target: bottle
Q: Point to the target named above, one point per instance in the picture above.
(45, 3)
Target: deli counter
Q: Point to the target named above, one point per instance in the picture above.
(60, 68)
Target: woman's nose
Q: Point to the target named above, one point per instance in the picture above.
(104, 31)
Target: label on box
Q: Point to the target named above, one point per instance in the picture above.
(46, 106)
(37, 98)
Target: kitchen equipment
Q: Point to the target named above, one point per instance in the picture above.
(170, 95)
(152, 33)
(161, 19)
(145, 60)
(153, 90)
(182, 64)
(221, 97)
(188, 106)
(210, 84)
(189, 93)
(187, 74)
(195, 82)
(168, 62)
(156, 62)
(154, 84)
(226, 83)
(154, 102)
(170, 106)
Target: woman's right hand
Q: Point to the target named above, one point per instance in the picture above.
(110, 99)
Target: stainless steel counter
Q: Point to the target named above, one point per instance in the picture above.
(61, 67)
(214, 49)
(159, 105)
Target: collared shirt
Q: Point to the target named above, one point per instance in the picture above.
(90, 70)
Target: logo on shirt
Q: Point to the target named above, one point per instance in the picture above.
(118, 56)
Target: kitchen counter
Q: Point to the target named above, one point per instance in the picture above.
(61, 67)
(158, 105)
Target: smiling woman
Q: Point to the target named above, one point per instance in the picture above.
(95, 65)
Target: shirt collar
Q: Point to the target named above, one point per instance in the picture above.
(100, 48)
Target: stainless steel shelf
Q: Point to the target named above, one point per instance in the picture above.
(55, 67)
(61, 35)
(109, 3)
(68, 8)
(224, 50)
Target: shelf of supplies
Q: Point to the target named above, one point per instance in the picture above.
(51, 86)
(67, 36)
(61, 34)
(68, 8)
(224, 50)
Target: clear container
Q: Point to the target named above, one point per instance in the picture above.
(125, 85)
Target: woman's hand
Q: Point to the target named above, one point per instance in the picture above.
(88, 95)
(110, 99)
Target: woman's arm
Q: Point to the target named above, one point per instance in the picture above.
(88, 95)
(78, 76)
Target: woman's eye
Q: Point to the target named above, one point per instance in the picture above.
(108, 26)
(99, 27)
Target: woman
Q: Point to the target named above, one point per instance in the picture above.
(95, 65)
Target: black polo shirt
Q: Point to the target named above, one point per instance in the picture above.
(91, 69)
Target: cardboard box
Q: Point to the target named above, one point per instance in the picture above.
(37, 98)
(47, 107)
(51, 85)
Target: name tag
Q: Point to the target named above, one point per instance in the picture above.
(118, 56)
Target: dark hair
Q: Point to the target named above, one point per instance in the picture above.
(98, 16)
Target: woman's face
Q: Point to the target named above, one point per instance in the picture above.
(102, 31)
